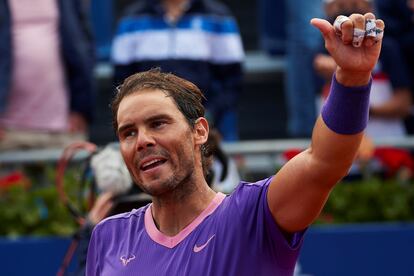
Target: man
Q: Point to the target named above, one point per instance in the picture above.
(257, 230)
(195, 39)
(399, 15)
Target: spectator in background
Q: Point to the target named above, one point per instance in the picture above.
(302, 43)
(46, 63)
(391, 98)
(195, 39)
(224, 175)
(399, 15)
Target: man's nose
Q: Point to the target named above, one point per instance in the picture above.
(144, 140)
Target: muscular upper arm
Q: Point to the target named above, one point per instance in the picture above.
(299, 190)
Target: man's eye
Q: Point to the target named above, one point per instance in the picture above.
(129, 133)
(157, 124)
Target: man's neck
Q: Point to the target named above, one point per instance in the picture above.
(173, 213)
(174, 9)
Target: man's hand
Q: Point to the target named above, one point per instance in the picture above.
(354, 63)
(100, 210)
(77, 123)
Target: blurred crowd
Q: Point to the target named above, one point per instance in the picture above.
(48, 90)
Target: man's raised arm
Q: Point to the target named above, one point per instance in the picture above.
(300, 189)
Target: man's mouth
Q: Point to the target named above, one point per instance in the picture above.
(152, 164)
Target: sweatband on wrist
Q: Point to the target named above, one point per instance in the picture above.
(346, 109)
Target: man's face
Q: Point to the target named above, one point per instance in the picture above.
(346, 7)
(156, 141)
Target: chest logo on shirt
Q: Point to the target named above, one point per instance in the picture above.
(197, 248)
(125, 259)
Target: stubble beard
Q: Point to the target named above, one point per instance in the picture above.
(176, 186)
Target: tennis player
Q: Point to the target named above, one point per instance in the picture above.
(189, 229)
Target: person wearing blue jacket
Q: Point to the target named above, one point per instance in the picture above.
(195, 39)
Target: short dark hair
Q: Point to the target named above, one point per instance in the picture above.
(187, 97)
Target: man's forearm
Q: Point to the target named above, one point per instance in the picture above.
(338, 132)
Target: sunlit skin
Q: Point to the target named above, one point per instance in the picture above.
(162, 153)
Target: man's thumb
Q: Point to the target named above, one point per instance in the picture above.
(324, 27)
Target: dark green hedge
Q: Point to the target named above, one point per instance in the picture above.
(372, 200)
(38, 210)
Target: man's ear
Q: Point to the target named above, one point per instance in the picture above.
(201, 130)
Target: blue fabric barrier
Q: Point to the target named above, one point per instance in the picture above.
(359, 249)
(33, 256)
